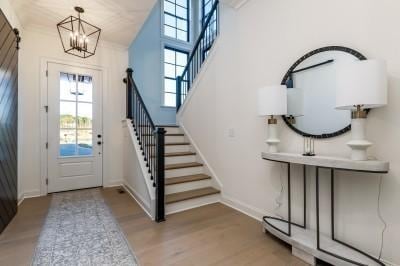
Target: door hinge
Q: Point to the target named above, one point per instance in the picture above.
(47, 145)
(46, 107)
(47, 181)
(47, 73)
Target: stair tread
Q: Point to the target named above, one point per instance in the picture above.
(174, 144)
(168, 134)
(177, 154)
(190, 194)
(174, 126)
(185, 179)
(177, 143)
(182, 165)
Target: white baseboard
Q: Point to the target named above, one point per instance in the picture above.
(28, 194)
(244, 208)
(114, 183)
(132, 192)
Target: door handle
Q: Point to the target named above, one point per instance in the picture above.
(99, 136)
(99, 143)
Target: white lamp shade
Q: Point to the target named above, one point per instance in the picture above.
(295, 102)
(272, 100)
(361, 83)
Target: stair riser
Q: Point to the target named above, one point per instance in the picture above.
(180, 159)
(187, 186)
(169, 139)
(192, 203)
(173, 130)
(177, 148)
(184, 171)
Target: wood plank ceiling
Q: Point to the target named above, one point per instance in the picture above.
(120, 20)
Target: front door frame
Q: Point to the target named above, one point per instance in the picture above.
(43, 113)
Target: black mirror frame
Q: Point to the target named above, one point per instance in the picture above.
(298, 62)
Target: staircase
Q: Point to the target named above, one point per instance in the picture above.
(179, 179)
(186, 183)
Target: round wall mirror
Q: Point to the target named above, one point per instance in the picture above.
(311, 86)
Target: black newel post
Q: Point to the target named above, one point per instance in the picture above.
(160, 177)
(178, 92)
(129, 93)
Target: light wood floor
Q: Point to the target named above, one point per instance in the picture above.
(210, 235)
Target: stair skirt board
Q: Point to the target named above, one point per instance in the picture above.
(191, 203)
(175, 188)
(180, 159)
(184, 171)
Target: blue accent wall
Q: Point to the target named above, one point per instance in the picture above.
(145, 58)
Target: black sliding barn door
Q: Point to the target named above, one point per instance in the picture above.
(9, 40)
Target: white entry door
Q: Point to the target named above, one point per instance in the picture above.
(74, 128)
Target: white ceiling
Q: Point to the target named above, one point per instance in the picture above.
(119, 20)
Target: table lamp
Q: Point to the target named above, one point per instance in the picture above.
(272, 101)
(295, 104)
(361, 85)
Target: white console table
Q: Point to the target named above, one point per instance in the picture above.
(311, 243)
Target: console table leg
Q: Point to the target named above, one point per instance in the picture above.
(333, 204)
(333, 223)
(289, 203)
(317, 203)
(305, 197)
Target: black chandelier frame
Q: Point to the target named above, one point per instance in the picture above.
(82, 25)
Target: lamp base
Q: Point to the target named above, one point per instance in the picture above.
(273, 140)
(358, 144)
(273, 145)
(359, 149)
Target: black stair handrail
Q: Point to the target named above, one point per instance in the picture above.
(208, 34)
(151, 140)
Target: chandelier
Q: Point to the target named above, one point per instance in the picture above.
(78, 37)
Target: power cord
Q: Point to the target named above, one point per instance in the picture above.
(278, 200)
(381, 217)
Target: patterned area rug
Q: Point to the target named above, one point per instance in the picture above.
(81, 230)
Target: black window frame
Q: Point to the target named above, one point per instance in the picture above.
(176, 50)
(204, 3)
(187, 19)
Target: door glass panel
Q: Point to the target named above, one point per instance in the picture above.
(67, 115)
(85, 89)
(76, 115)
(84, 115)
(85, 143)
(67, 142)
(67, 87)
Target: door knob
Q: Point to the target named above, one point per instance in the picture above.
(99, 143)
(99, 136)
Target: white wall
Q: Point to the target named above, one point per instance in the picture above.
(136, 177)
(258, 43)
(35, 46)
